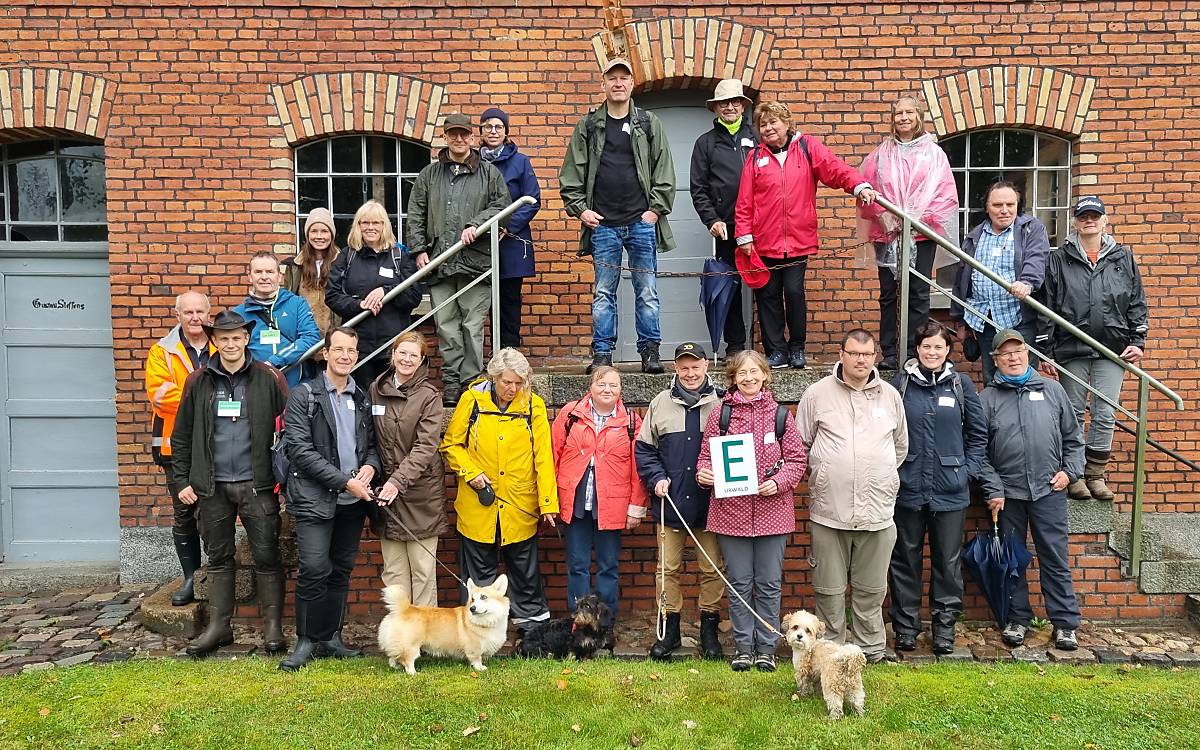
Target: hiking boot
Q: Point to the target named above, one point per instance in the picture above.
(710, 643)
(1065, 640)
(765, 662)
(1014, 634)
(662, 648)
(1093, 475)
(943, 641)
(1078, 490)
(599, 359)
(187, 548)
(778, 360)
(796, 359)
(220, 610)
(906, 642)
(651, 364)
(450, 394)
(741, 661)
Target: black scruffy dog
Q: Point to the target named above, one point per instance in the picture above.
(589, 630)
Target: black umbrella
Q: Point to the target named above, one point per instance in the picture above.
(996, 563)
(717, 295)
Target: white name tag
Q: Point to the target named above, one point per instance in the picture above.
(386, 272)
(748, 142)
(269, 336)
(1037, 396)
(763, 161)
(769, 438)
(378, 410)
(229, 408)
(625, 128)
(350, 404)
(946, 401)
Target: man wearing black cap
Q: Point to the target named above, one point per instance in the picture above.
(619, 181)
(222, 459)
(666, 451)
(450, 199)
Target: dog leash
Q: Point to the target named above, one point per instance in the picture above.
(396, 517)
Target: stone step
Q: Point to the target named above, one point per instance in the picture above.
(1120, 538)
(1172, 576)
(157, 614)
(1089, 516)
(561, 385)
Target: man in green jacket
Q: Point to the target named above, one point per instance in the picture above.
(619, 181)
(450, 199)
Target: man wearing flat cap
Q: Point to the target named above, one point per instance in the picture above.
(619, 181)
(222, 442)
(716, 173)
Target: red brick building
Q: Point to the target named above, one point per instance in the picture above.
(154, 146)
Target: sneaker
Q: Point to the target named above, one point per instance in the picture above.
(1065, 640)
(599, 359)
(778, 360)
(651, 364)
(1014, 634)
(906, 642)
(796, 360)
(741, 661)
(765, 662)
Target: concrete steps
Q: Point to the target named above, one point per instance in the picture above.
(1170, 551)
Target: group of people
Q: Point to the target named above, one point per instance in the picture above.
(358, 438)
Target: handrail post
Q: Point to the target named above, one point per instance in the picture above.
(495, 290)
(1139, 480)
(902, 278)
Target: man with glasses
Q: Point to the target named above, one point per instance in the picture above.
(450, 199)
(717, 161)
(1035, 449)
(853, 424)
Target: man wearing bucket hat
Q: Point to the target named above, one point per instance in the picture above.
(222, 459)
(716, 172)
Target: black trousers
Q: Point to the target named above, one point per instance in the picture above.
(735, 333)
(479, 561)
(945, 532)
(786, 287)
(259, 511)
(183, 516)
(327, 550)
(510, 312)
(918, 302)
(1047, 519)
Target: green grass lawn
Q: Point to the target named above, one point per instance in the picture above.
(249, 704)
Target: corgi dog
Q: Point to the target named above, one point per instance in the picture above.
(473, 631)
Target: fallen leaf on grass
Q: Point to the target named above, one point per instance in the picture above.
(576, 728)
(474, 675)
(436, 728)
(655, 676)
(693, 670)
(45, 711)
(155, 729)
(1055, 717)
(689, 724)
(469, 731)
(635, 741)
(299, 708)
(483, 716)
(561, 684)
(566, 670)
(1041, 672)
(795, 697)
(627, 680)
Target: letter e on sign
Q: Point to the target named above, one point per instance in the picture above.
(734, 469)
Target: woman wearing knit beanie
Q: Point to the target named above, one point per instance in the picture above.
(308, 272)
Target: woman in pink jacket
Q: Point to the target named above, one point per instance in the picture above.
(911, 170)
(776, 218)
(753, 529)
(600, 494)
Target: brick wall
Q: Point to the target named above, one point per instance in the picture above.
(201, 102)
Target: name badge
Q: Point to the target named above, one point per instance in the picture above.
(270, 336)
(378, 410)
(625, 128)
(386, 272)
(350, 404)
(229, 409)
(1037, 396)
(946, 401)
(748, 142)
(763, 161)
(769, 438)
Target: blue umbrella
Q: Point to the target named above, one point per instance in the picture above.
(996, 563)
(717, 295)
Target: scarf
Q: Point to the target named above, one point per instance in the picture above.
(490, 154)
(1017, 380)
(732, 127)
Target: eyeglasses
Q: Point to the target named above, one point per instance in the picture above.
(457, 135)
(1011, 353)
(406, 357)
(340, 350)
(858, 355)
(492, 128)
(368, 223)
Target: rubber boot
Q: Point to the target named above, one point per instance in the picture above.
(1093, 475)
(305, 650)
(187, 547)
(710, 642)
(662, 648)
(220, 610)
(270, 603)
(335, 646)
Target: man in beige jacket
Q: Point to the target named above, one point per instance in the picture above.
(853, 425)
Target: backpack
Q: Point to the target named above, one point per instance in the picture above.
(475, 412)
(781, 413)
(955, 384)
(640, 121)
(281, 465)
(572, 418)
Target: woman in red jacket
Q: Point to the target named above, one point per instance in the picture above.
(776, 218)
(753, 530)
(599, 492)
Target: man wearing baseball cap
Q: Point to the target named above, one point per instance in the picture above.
(618, 179)
(1034, 451)
(666, 451)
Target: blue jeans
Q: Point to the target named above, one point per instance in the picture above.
(581, 537)
(639, 240)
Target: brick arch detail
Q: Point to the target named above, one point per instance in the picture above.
(689, 52)
(41, 102)
(361, 101)
(1004, 95)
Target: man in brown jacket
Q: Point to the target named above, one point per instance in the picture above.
(853, 424)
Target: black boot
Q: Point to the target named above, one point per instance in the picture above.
(335, 646)
(599, 359)
(220, 610)
(270, 602)
(187, 547)
(306, 648)
(651, 364)
(662, 648)
(710, 642)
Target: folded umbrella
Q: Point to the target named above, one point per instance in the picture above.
(996, 563)
(717, 295)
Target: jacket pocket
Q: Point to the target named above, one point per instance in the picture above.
(952, 478)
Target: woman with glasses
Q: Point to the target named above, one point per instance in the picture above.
(947, 444)
(407, 409)
(516, 243)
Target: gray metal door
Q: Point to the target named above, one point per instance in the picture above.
(58, 443)
(681, 318)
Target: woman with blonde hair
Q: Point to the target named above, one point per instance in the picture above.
(407, 408)
(372, 265)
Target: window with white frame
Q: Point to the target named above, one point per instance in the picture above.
(52, 190)
(343, 172)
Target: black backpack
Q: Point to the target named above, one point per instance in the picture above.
(281, 465)
(781, 413)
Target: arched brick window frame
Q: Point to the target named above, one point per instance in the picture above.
(46, 102)
(358, 102)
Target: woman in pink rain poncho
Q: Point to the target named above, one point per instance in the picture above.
(911, 170)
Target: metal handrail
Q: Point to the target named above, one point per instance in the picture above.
(1145, 380)
(432, 266)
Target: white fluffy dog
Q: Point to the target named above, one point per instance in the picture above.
(820, 664)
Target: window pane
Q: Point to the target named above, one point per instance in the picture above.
(311, 192)
(82, 189)
(956, 150)
(349, 193)
(33, 233)
(347, 154)
(381, 155)
(343, 224)
(311, 159)
(26, 149)
(1051, 188)
(34, 191)
(985, 149)
(1056, 224)
(85, 234)
(377, 188)
(960, 179)
(1053, 152)
(389, 196)
(414, 156)
(81, 148)
(1018, 149)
